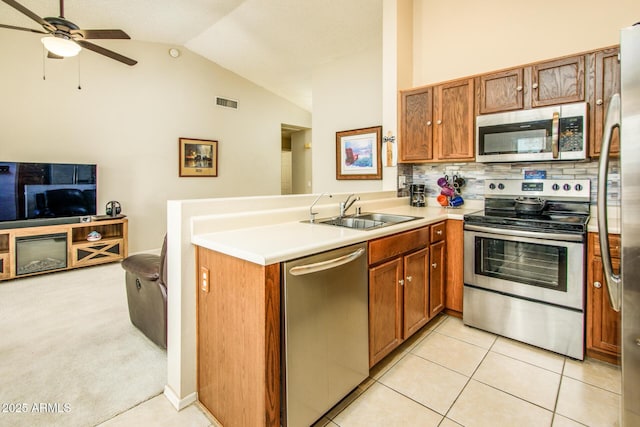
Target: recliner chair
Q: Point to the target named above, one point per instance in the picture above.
(146, 286)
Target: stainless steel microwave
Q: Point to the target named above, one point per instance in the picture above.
(540, 134)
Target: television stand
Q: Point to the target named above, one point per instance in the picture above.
(44, 249)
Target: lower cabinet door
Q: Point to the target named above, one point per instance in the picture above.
(416, 291)
(385, 309)
(437, 276)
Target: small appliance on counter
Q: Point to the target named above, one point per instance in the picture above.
(417, 195)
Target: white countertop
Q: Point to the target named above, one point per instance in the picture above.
(284, 241)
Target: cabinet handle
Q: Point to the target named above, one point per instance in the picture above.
(439, 232)
(409, 278)
(434, 265)
(535, 85)
(519, 88)
(599, 101)
(597, 285)
(439, 122)
(401, 282)
(428, 122)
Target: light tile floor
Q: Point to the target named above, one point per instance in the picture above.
(450, 375)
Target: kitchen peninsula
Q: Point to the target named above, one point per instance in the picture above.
(240, 245)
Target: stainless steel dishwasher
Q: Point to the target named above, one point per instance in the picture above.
(325, 331)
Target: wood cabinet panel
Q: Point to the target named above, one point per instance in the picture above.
(455, 265)
(238, 335)
(416, 124)
(398, 244)
(438, 232)
(385, 309)
(606, 83)
(615, 248)
(559, 81)
(603, 324)
(454, 130)
(502, 91)
(416, 291)
(436, 278)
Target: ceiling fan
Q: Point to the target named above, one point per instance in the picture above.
(64, 38)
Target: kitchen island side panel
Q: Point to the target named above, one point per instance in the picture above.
(238, 335)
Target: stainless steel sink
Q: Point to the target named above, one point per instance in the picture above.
(367, 221)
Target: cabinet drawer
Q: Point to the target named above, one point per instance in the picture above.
(398, 244)
(614, 245)
(438, 232)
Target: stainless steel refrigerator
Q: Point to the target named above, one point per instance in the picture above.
(624, 289)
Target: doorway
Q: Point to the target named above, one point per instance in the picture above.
(295, 160)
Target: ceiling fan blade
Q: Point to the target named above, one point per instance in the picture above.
(101, 34)
(11, 27)
(25, 11)
(54, 56)
(106, 52)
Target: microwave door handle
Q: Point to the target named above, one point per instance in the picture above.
(555, 130)
(614, 284)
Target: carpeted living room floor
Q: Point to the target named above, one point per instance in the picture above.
(69, 356)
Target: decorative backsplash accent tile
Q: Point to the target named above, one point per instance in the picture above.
(475, 175)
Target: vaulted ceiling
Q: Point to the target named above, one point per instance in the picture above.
(274, 43)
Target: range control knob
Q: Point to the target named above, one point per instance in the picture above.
(566, 187)
(578, 187)
(555, 187)
(492, 186)
(501, 186)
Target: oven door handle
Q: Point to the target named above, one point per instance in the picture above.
(614, 283)
(522, 233)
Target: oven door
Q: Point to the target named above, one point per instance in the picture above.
(522, 264)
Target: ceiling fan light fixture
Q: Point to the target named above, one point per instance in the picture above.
(60, 46)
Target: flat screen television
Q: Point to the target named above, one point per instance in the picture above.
(34, 194)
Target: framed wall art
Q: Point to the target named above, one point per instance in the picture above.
(358, 153)
(198, 157)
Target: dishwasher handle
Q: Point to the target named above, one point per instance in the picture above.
(301, 270)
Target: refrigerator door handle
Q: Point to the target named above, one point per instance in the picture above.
(614, 284)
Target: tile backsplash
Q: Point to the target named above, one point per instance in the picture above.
(475, 175)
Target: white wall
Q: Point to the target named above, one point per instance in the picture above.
(465, 37)
(128, 121)
(347, 94)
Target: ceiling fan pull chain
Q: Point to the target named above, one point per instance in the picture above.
(44, 61)
(79, 85)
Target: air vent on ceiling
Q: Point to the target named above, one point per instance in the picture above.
(228, 103)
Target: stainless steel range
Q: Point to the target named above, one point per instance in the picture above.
(524, 263)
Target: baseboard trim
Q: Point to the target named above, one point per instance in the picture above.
(178, 403)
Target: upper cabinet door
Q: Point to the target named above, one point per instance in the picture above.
(501, 91)
(607, 83)
(558, 82)
(416, 127)
(454, 112)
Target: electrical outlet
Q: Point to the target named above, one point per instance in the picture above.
(204, 279)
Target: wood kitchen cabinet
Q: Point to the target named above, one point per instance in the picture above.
(406, 286)
(558, 81)
(603, 323)
(238, 339)
(437, 123)
(454, 267)
(416, 125)
(606, 82)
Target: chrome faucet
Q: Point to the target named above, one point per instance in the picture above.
(347, 204)
(312, 214)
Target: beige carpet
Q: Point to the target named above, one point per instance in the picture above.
(69, 356)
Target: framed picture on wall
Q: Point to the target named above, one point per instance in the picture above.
(358, 153)
(198, 157)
